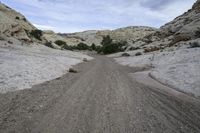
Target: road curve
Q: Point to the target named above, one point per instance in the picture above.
(100, 98)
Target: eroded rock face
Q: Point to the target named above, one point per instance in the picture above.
(196, 6)
(14, 24)
(187, 24)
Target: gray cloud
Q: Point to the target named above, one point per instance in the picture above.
(78, 15)
(156, 4)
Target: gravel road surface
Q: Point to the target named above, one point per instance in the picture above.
(101, 98)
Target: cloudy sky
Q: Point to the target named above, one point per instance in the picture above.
(80, 15)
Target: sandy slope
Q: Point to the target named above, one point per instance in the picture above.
(101, 98)
(24, 66)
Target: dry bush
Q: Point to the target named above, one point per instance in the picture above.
(151, 49)
(71, 70)
(178, 38)
(138, 54)
(125, 54)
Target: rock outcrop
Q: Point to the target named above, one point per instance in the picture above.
(182, 30)
(14, 24)
(187, 25)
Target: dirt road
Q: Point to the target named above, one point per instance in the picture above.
(101, 98)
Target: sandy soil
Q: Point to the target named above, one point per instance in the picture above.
(101, 98)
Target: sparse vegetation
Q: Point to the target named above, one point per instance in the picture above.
(197, 33)
(179, 38)
(71, 70)
(60, 43)
(36, 34)
(67, 47)
(125, 54)
(98, 49)
(10, 42)
(134, 48)
(93, 47)
(82, 46)
(108, 47)
(17, 18)
(138, 54)
(113, 48)
(106, 40)
(49, 44)
(151, 49)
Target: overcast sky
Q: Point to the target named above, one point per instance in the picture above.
(80, 15)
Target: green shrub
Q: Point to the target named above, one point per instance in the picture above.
(138, 54)
(17, 18)
(82, 46)
(93, 46)
(99, 49)
(197, 33)
(49, 44)
(125, 54)
(67, 47)
(36, 34)
(134, 48)
(60, 43)
(106, 40)
(108, 47)
(71, 70)
(113, 48)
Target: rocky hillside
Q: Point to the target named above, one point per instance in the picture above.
(14, 24)
(171, 54)
(87, 37)
(128, 34)
(187, 24)
(182, 30)
(178, 33)
(131, 34)
(51, 36)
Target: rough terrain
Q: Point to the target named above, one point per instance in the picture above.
(101, 98)
(14, 24)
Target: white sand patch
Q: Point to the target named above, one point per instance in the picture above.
(24, 66)
(179, 69)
